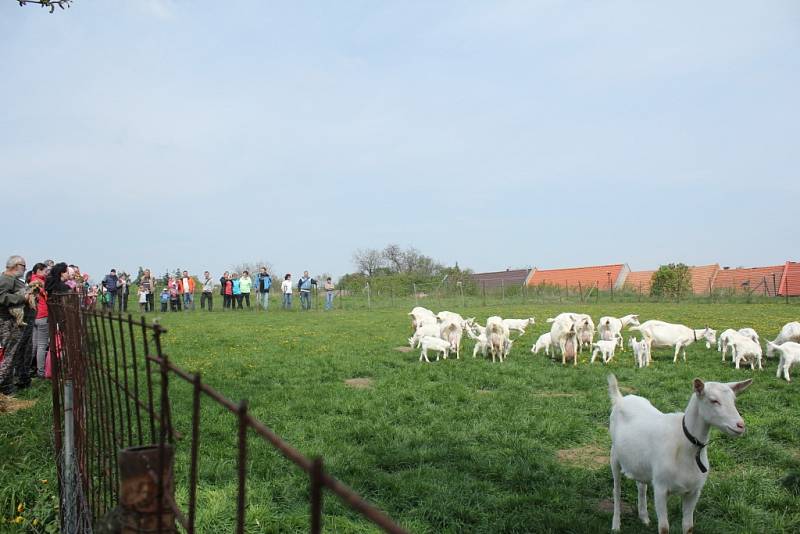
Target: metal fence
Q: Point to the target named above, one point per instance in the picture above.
(114, 436)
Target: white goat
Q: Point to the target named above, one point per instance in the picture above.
(752, 334)
(789, 332)
(422, 331)
(661, 334)
(477, 328)
(610, 327)
(433, 343)
(747, 350)
(641, 356)
(481, 344)
(498, 337)
(544, 342)
(519, 324)
(562, 334)
(669, 450)
(724, 341)
(790, 355)
(420, 316)
(453, 332)
(452, 317)
(605, 347)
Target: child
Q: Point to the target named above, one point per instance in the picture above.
(173, 294)
(142, 299)
(164, 299)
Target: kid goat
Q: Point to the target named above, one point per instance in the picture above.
(669, 450)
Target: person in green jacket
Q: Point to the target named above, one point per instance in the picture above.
(245, 286)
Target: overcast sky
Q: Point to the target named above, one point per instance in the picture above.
(496, 134)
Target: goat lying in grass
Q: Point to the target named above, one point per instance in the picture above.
(669, 450)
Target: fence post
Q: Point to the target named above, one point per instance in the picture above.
(774, 286)
(461, 288)
(483, 283)
(369, 297)
(596, 292)
(242, 467)
(503, 289)
(70, 500)
(414, 288)
(316, 496)
(391, 292)
(580, 290)
(640, 292)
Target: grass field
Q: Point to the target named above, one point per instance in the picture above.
(453, 446)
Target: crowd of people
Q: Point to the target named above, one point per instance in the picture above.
(24, 328)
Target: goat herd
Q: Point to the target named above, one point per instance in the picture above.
(667, 451)
(573, 332)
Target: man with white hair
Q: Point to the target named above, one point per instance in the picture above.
(12, 294)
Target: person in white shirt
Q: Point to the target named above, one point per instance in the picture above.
(286, 289)
(208, 292)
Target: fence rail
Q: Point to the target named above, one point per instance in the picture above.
(112, 408)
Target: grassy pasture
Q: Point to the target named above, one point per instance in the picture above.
(454, 446)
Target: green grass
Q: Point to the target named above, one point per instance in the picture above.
(454, 446)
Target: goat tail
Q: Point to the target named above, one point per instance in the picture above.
(613, 389)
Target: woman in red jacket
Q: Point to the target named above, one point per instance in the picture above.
(41, 334)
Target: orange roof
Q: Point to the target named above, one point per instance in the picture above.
(703, 278)
(584, 276)
(790, 281)
(762, 280)
(639, 280)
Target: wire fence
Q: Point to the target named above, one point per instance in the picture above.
(115, 440)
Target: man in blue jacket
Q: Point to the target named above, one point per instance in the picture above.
(263, 283)
(304, 285)
(110, 282)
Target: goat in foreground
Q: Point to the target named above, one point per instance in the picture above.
(669, 450)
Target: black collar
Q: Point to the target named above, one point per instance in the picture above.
(696, 442)
(695, 338)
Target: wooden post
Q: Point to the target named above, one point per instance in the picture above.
(484, 292)
(580, 290)
(503, 289)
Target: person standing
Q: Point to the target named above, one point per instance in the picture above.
(263, 283)
(142, 300)
(208, 292)
(110, 283)
(41, 334)
(304, 285)
(237, 291)
(329, 289)
(123, 290)
(286, 291)
(12, 295)
(149, 284)
(227, 291)
(174, 295)
(245, 286)
(186, 287)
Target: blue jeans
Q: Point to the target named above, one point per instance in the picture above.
(188, 300)
(329, 300)
(112, 295)
(264, 299)
(287, 301)
(305, 299)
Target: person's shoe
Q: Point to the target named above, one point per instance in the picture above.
(8, 391)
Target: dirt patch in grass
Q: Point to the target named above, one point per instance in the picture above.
(359, 383)
(607, 506)
(403, 349)
(587, 457)
(554, 394)
(11, 405)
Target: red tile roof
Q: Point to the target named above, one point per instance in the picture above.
(762, 280)
(637, 280)
(703, 278)
(587, 276)
(790, 281)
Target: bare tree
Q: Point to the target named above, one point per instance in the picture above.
(393, 255)
(47, 3)
(368, 260)
(252, 267)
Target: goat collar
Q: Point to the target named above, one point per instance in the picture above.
(696, 442)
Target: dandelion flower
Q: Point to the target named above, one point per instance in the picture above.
(20, 507)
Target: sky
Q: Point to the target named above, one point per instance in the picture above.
(201, 135)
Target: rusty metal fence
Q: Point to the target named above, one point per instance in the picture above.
(114, 436)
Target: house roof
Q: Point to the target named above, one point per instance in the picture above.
(762, 280)
(507, 277)
(586, 276)
(703, 278)
(790, 281)
(639, 279)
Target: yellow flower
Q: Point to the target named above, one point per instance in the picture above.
(44, 481)
(35, 522)
(21, 507)
(18, 519)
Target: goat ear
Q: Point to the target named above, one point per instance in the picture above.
(739, 387)
(699, 386)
